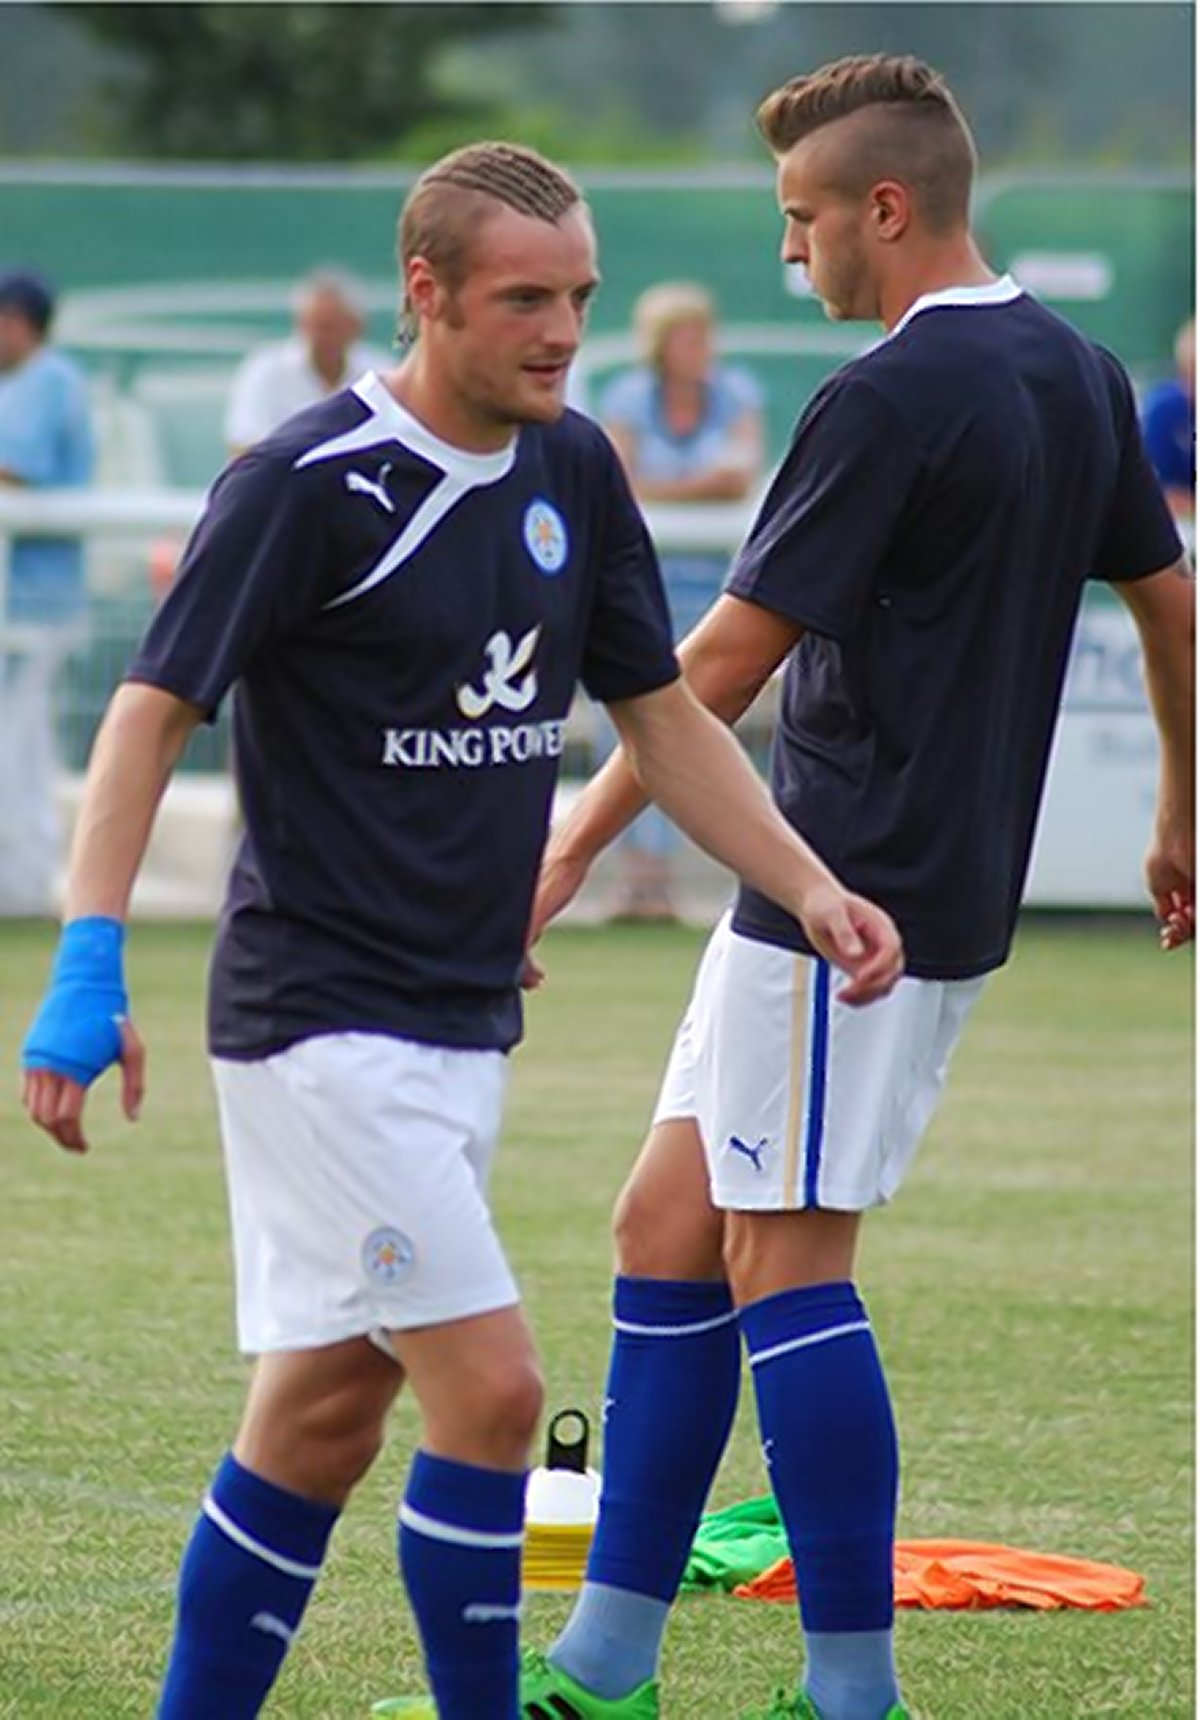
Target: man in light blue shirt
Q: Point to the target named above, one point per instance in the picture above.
(45, 443)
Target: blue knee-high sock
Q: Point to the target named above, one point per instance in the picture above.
(460, 1557)
(248, 1571)
(830, 1442)
(671, 1396)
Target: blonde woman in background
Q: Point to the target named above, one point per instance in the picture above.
(688, 429)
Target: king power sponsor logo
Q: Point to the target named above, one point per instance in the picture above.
(508, 683)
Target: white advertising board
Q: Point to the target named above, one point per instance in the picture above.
(1099, 801)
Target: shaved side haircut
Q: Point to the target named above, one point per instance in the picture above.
(907, 127)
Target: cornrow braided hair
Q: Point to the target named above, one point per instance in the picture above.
(520, 177)
(449, 202)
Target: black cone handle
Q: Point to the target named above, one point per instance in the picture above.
(568, 1449)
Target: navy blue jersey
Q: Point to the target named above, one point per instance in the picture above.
(945, 498)
(406, 624)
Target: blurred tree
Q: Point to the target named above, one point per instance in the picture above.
(315, 82)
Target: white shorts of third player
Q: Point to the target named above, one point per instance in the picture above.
(357, 1168)
(802, 1101)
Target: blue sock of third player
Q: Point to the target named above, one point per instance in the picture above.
(246, 1577)
(672, 1393)
(830, 1443)
(460, 1556)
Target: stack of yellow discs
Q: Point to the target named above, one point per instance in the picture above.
(555, 1555)
(560, 1518)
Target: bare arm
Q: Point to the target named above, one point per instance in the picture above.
(139, 742)
(1164, 610)
(137, 747)
(696, 771)
(727, 658)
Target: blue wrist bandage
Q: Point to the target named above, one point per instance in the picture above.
(77, 1031)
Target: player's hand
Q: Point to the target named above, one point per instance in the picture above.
(56, 1102)
(81, 1029)
(856, 937)
(1171, 881)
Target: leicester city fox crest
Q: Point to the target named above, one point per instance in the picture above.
(545, 533)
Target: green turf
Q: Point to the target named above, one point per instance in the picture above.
(1031, 1289)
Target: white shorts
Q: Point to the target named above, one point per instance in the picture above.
(357, 1167)
(802, 1101)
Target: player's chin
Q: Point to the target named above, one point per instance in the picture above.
(544, 396)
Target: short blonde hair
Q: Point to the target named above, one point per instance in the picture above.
(662, 308)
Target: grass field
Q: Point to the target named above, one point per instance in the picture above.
(1031, 1290)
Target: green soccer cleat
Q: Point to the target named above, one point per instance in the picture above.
(549, 1694)
(413, 1707)
(787, 1705)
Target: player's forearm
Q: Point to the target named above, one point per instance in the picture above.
(614, 797)
(138, 744)
(699, 774)
(1171, 686)
(1169, 657)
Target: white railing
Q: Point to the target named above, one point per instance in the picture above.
(96, 513)
(1102, 781)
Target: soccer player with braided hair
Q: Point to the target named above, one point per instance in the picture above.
(405, 582)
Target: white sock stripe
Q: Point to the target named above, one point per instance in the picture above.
(436, 1530)
(227, 1526)
(675, 1331)
(812, 1338)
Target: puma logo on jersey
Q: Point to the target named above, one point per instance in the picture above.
(361, 485)
(508, 681)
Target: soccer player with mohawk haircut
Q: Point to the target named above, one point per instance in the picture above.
(918, 565)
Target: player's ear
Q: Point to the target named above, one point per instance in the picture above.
(423, 289)
(890, 209)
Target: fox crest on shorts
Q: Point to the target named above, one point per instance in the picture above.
(387, 1255)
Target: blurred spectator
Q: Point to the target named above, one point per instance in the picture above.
(1169, 421)
(688, 429)
(45, 442)
(325, 353)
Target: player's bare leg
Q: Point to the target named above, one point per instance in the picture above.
(665, 1224)
(314, 1420)
(479, 1387)
(767, 1253)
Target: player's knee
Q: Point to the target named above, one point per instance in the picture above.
(637, 1228)
(490, 1418)
(516, 1395)
(657, 1239)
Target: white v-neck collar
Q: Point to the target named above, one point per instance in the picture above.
(1000, 292)
(460, 463)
